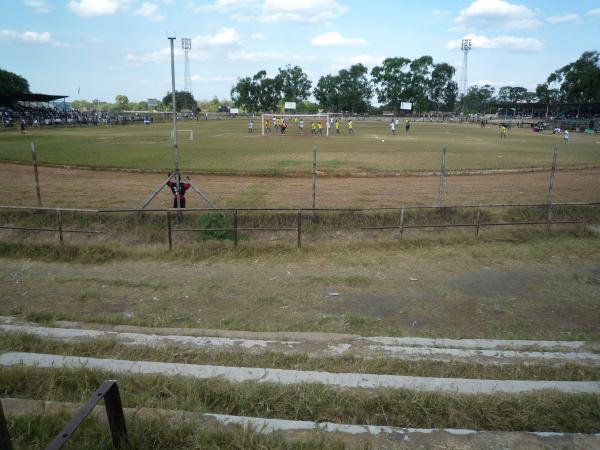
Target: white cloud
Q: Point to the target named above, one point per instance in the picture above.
(439, 13)
(275, 11)
(217, 79)
(335, 39)
(225, 36)
(39, 6)
(223, 6)
(496, 13)
(525, 44)
(343, 62)
(567, 18)
(593, 12)
(258, 36)
(93, 8)
(244, 55)
(149, 11)
(164, 55)
(30, 37)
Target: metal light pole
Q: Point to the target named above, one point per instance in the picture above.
(174, 101)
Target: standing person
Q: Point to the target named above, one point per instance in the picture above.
(328, 122)
(267, 126)
(337, 126)
(393, 126)
(566, 136)
(320, 127)
(301, 126)
(178, 190)
(407, 126)
(283, 126)
(313, 129)
(503, 131)
(278, 125)
(350, 127)
(251, 127)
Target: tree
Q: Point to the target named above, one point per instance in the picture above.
(478, 97)
(295, 85)
(259, 93)
(420, 70)
(121, 101)
(442, 89)
(184, 100)
(12, 84)
(391, 81)
(579, 81)
(243, 95)
(349, 90)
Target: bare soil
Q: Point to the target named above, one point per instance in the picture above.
(81, 188)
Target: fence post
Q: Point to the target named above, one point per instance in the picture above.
(401, 222)
(116, 418)
(551, 187)
(478, 218)
(235, 227)
(35, 172)
(60, 226)
(169, 231)
(442, 174)
(299, 228)
(4, 436)
(314, 177)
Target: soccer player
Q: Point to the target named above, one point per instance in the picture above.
(312, 128)
(267, 126)
(503, 131)
(278, 126)
(320, 127)
(350, 127)
(296, 122)
(566, 136)
(283, 126)
(178, 190)
(337, 126)
(302, 126)
(251, 127)
(407, 126)
(393, 126)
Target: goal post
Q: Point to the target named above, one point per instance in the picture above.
(191, 134)
(270, 123)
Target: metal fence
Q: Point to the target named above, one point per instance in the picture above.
(295, 221)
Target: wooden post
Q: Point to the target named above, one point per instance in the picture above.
(235, 227)
(60, 226)
(478, 219)
(299, 228)
(314, 176)
(169, 231)
(551, 187)
(35, 172)
(442, 174)
(401, 222)
(4, 436)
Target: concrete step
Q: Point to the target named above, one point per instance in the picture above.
(490, 352)
(355, 436)
(265, 375)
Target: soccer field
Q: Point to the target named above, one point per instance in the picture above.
(225, 147)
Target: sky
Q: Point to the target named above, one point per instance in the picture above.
(97, 49)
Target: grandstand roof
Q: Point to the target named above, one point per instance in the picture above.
(7, 99)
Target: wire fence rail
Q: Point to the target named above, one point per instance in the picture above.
(294, 218)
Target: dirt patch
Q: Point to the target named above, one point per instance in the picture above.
(104, 189)
(489, 283)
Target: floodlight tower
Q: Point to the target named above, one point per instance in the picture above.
(465, 46)
(186, 46)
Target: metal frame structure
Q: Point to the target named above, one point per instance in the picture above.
(465, 46)
(109, 391)
(186, 46)
(176, 173)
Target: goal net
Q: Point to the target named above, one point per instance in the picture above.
(189, 133)
(298, 124)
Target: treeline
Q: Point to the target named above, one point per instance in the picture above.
(420, 81)
(425, 84)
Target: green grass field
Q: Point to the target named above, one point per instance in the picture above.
(226, 147)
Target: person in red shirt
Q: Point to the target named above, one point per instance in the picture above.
(178, 189)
